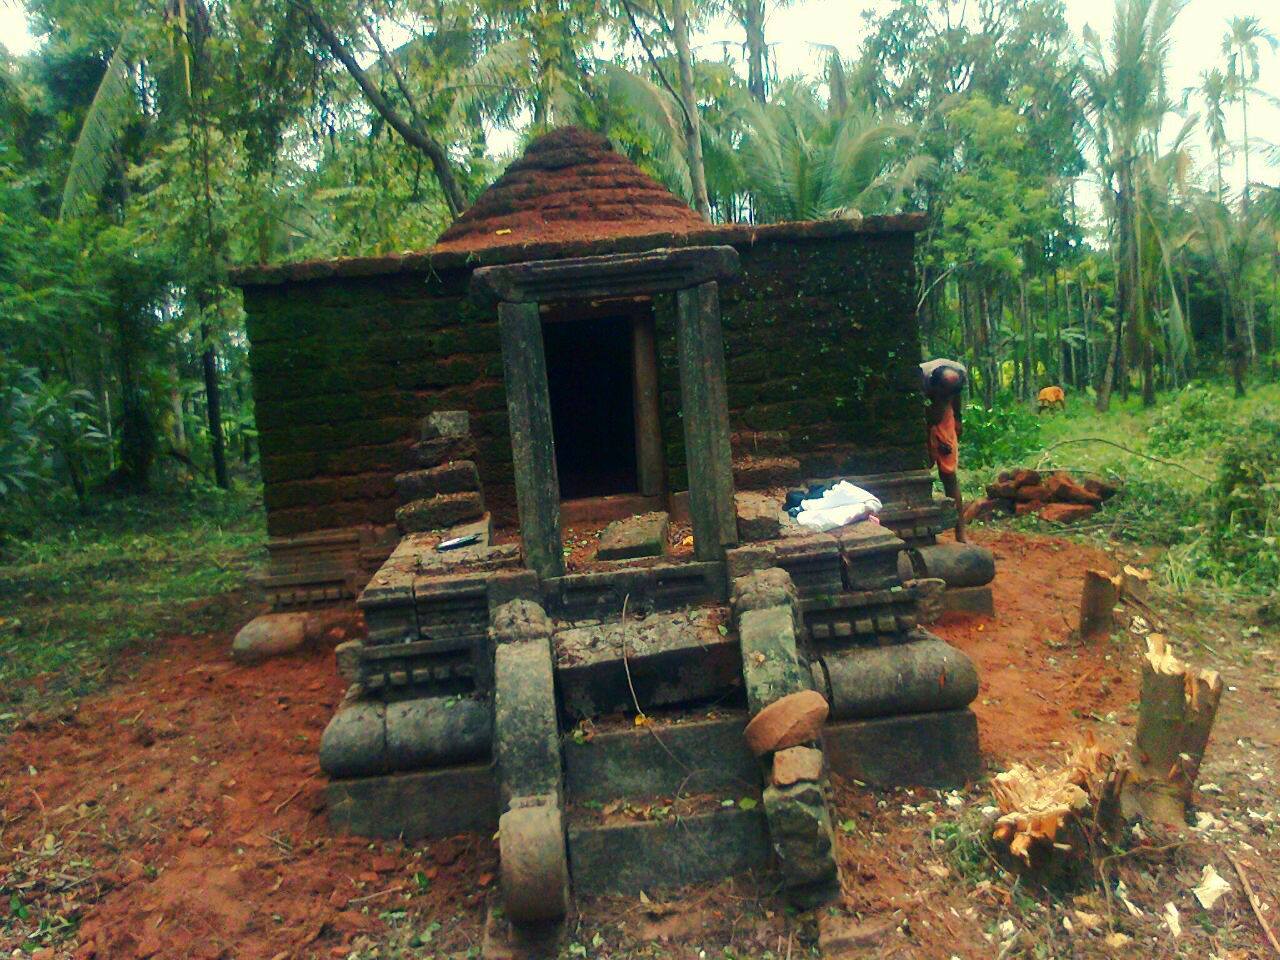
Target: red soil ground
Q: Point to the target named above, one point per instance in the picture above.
(181, 814)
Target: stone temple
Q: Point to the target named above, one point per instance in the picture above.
(581, 349)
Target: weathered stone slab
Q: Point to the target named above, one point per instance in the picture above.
(919, 750)
(626, 858)
(457, 476)
(870, 553)
(673, 658)
(800, 831)
(814, 563)
(416, 806)
(433, 453)
(440, 512)
(759, 516)
(747, 559)
(446, 423)
(764, 473)
(645, 535)
(923, 675)
(610, 275)
(662, 759)
(978, 601)
(762, 589)
(598, 595)
(771, 665)
(526, 733)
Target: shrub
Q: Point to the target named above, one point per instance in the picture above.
(1001, 435)
(1192, 420)
(1245, 503)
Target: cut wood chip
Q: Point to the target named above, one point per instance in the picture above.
(1211, 887)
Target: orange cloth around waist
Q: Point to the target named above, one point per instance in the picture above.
(944, 432)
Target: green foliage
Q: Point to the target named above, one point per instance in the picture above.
(1192, 419)
(1245, 502)
(1002, 435)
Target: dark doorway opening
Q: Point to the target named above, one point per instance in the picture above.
(589, 376)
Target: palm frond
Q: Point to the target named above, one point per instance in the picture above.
(114, 102)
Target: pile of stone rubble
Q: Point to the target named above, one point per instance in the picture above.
(1058, 497)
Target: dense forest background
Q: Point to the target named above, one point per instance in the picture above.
(147, 148)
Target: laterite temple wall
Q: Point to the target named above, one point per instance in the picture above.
(820, 340)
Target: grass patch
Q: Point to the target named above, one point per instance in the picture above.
(1176, 505)
(80, 588)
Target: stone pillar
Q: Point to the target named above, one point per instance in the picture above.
(705, 407)
(526, 737)
(644, 359)
(532, 441)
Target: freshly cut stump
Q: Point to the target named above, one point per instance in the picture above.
(1178, 706)
(1100, 595)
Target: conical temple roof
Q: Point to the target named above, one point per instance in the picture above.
(569, 185)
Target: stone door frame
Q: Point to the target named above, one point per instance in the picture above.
(693, 274)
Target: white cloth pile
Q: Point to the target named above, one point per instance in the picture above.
(840, 504)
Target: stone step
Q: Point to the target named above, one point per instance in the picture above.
(615, 855)
(671, 659)
(456, 476)
(938, 750)
(671, 755)
(760, 443)
(440, 512)
(764, 473)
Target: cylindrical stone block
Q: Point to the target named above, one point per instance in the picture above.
(535, 869)
(368, 737)
(354, 743)
(436, 731)
(916, 677)
(959, 564)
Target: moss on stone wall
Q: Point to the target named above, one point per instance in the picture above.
(820, 340)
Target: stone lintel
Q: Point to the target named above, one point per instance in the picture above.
(612, 275)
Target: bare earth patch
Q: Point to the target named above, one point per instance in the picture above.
(181, 815)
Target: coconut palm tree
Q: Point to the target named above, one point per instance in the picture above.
(804, 161)
(1241, 45)
(1126, 102)
(1214, 92)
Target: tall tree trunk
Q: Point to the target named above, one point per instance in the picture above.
(209, 361)
(753, 24)
(692, 126)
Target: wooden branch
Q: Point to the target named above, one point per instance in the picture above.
(1255, 903)
(1098, 598)
(416, 138)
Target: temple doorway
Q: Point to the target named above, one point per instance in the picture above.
(601, 376)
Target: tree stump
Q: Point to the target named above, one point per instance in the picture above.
(1177, 710)
(1100, 595)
